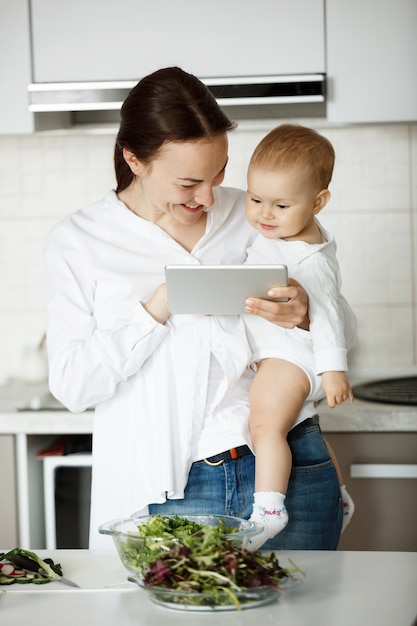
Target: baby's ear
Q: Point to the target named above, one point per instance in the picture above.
(321, 200)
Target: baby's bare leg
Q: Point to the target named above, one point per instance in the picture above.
(277, 394)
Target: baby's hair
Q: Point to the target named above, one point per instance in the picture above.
(292, 145)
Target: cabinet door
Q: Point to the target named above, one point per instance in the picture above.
(15, 70)
(385, 508)
(8, 495)
(107, 40)
(371, 60)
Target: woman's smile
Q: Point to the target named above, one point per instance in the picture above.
(193, 208)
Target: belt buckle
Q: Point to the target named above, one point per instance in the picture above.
(214, 463)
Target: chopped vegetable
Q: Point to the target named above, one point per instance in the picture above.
(7, 569)
(23, 566)
(29, 578)
(6, 580)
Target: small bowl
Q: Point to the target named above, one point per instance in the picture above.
(136, 552)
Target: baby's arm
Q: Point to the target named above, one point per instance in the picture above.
(336, 387)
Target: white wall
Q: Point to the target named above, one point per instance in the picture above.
(373, 214)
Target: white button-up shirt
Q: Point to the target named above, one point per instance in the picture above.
(147, 381)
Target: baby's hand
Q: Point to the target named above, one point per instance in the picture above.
(336, 387)
(157, 305)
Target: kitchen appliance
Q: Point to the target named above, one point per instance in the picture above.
(389, 391)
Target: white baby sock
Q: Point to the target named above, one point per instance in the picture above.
(269, 511)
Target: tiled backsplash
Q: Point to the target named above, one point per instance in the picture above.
(373, 214)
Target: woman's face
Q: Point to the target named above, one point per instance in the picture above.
(178, 184)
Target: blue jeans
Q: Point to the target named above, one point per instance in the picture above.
(313, 500)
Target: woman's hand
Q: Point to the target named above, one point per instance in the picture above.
(157, 305)
(289, 314)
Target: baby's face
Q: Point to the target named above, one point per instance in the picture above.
(280, 204)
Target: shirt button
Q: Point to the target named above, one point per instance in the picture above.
(218, 345)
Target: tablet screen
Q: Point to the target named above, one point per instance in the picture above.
(220, 289)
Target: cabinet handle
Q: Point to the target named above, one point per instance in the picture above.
(382, 470)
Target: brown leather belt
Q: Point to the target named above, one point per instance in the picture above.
(235, 453)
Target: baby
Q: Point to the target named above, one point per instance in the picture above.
(288, 179)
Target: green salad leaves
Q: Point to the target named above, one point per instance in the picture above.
(173, 526)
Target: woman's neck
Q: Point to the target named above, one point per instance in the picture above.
(186, 235)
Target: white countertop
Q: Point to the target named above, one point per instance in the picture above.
(368, 417)
(364, 416)
(339, 589)
(360, 417)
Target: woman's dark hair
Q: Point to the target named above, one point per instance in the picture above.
(168, 105)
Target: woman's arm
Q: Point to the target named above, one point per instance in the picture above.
(98, 332)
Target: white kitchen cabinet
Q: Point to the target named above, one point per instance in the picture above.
(104, 40)
(15, 68)
(16, 73)
(371, 60)
(385, 508)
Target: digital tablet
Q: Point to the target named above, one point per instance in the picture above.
(220, 289)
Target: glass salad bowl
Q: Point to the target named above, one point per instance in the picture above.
(138, 550)
(198, 562)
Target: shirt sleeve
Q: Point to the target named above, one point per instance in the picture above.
(350, 323)
(98, 333)
(332, 322)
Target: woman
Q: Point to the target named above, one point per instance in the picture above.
(170, 392)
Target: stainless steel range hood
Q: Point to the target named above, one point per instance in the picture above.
(244, 91)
